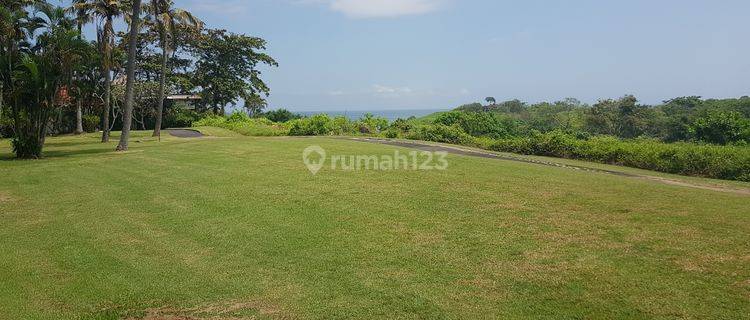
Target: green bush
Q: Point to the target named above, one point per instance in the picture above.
(211, 121)
(343, 126)
(720, 127)
(180, 118)
(280, 115)
(480, 124)
(6, 127)
(241, 123)
(721, 162)
(90, 122)
(441, 133)
(317, 125)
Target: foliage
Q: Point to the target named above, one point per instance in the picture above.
(721, 162)
(35, 71)
(440, 133)
(180, 118)
(241, 123)
(90, 122)
(227, 67)
(720, 127)
(280, 115)
(480, 124)
(371, 124)
(317, 125)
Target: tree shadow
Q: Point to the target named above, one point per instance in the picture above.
(56, 154)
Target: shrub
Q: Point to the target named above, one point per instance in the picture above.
(6, 127)
(241, 123)
(180, 118)
(316, 125)
(343, 126)
(280, 115)
(480, 124)
(371, 124)
(90, 122)
(721, 162)
(440, 133)
(720, 127)
(211, 121)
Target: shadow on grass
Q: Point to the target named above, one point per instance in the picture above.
(54, 154)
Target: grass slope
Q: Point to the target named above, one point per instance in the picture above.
(237, 227)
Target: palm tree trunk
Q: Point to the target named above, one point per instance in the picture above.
(162, 82)
(107, 77)
(79, 117)
(127, 117)
(107, 96)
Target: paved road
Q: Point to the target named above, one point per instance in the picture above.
(185, 133)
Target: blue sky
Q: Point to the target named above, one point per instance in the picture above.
(407, 54)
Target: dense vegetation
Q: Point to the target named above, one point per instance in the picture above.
(55, 81)
(688, 136)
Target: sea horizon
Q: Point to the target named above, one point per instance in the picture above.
(390, 114)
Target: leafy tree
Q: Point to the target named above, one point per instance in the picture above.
(164, 18)
(254, 105)
(490, 100)
(35, 72)
(227, 68)
(280, 115)
(720, 127)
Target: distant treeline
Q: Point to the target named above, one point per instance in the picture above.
(689, 136)
(717, 121)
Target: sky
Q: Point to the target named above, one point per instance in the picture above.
(437, 54)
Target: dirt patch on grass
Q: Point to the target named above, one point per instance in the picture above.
(4, 197)
(229, 310)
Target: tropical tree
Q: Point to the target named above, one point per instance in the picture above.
(36, 72)
(127, 116)
(490, 100)
(105, 11)
(227, 68)
(82, 17)
(163, 18)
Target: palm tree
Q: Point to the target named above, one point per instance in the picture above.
(127, 116)
(82, 17)
(106, 11)
(39, 69)
(164, 19)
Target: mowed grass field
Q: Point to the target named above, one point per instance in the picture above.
(238, 228)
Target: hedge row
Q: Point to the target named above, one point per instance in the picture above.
(720, 162)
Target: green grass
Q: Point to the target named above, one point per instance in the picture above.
(237, 227)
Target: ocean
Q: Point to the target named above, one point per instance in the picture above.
(388, 114)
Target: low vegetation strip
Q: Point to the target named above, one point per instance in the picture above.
(492, 132)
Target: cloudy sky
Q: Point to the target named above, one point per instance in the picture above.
(390, 54)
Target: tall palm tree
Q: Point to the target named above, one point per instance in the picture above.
(106, 11)
(82, 17)
(164, 19)
(127, 116)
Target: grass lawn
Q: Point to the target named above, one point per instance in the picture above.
(236, 227)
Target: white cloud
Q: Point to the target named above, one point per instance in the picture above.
(391, 91)
(381, 8)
